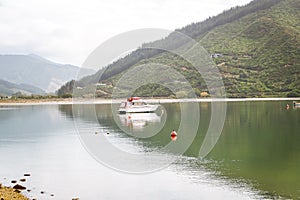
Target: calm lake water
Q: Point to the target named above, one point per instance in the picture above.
(257, 155)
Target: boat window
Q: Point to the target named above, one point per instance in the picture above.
(139, 103)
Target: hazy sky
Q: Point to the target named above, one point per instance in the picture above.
(66, 31)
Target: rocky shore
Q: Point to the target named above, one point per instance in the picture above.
(7, 193)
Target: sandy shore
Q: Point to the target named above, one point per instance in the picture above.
(35, 101)
(110, 101)
(7, 193)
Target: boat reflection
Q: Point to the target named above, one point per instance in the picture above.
(139, 121)
(173, 137)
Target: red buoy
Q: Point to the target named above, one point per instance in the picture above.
(173, 133)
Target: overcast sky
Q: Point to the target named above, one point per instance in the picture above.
(67, 31)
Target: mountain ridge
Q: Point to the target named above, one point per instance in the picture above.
(9, 89)
(37, 71)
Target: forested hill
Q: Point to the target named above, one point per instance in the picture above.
(256, 47)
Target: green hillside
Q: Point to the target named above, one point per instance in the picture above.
(261, 52)
(256, 48)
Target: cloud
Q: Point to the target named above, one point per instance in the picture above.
(67, 31)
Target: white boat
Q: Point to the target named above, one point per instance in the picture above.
(136, 105)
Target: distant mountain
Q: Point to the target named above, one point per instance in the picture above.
(8, 89)
(38, 72)
(256, 48)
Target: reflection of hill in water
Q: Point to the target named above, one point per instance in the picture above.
(89, 113)
(86, 111)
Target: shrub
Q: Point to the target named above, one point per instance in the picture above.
(294, 93)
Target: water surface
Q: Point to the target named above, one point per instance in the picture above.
(256, 156)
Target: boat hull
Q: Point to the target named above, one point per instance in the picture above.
(139, 109)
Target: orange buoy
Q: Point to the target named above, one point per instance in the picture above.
(173, 133)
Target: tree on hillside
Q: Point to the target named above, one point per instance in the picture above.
(66, 89)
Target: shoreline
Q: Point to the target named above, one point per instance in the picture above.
(70, 101)
(10, 193)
